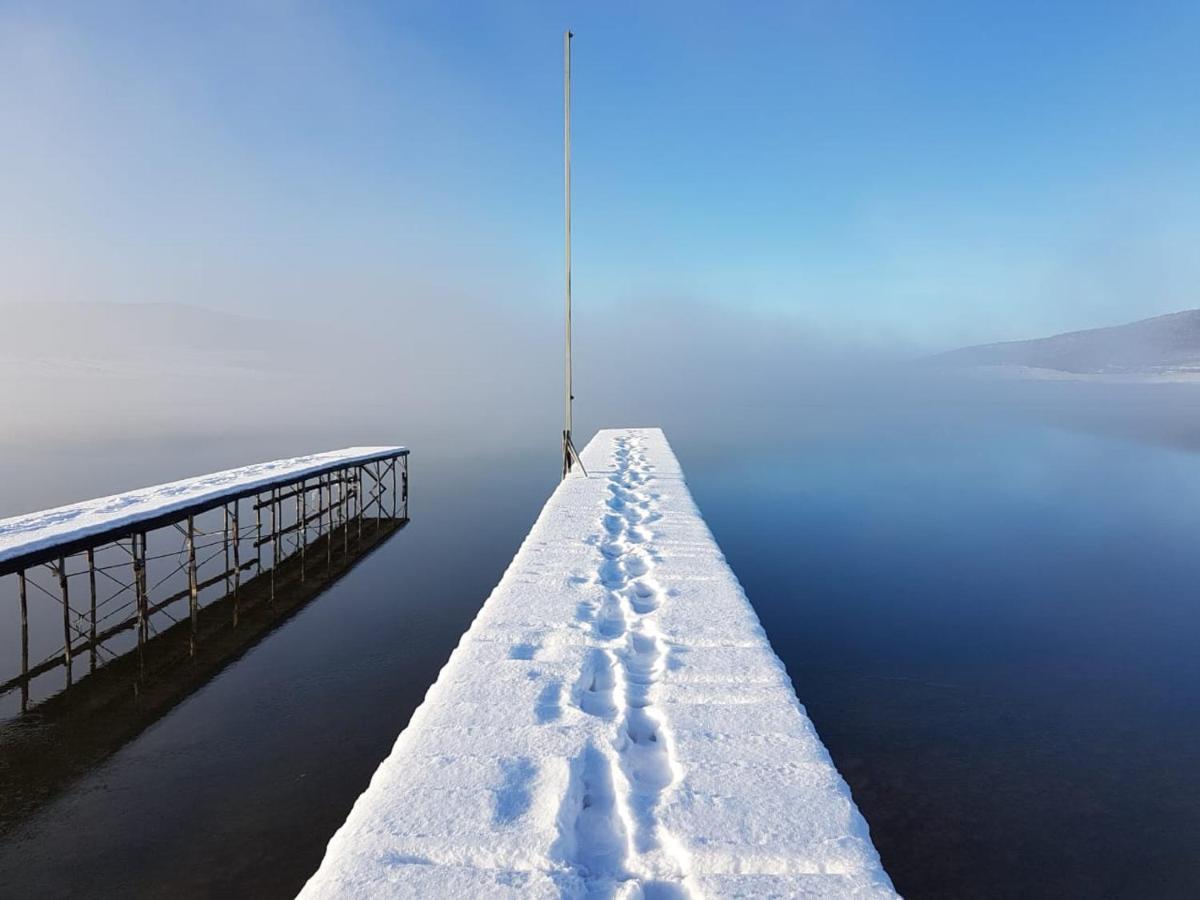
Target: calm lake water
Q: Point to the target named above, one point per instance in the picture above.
(994, 631)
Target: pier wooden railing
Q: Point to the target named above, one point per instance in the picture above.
(112, 592)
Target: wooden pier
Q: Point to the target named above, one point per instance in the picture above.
(110, 580)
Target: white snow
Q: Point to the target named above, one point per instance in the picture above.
(39, 530)
(614, 723)
(1157, 375)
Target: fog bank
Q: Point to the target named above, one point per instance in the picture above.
(450, 375)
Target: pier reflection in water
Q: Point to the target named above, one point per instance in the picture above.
(134, 648)
(143, 552)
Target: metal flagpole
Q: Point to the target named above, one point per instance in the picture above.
(568, 448)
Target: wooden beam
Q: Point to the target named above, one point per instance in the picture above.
(193, 585)
(274, 539)
(237, 563)
(258, 527)
(395, 495)
(329, 525)
(24, 641)
(228, 550)
(302, 519)
(66, 602)
(139, 587)
(91, 561)
(358, 487)
(343, 510)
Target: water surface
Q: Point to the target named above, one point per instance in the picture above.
(992, 628)
(994, 631)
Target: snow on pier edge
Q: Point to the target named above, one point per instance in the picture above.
(48, 528)
(614, 723)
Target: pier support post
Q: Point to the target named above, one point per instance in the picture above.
(302, 513)
(139, 588)
(66, 602)
(193, 585)
(91, 561)
(24, 641)
(227, 548)
(237, 563)
(258, 531)
(274, 540)
(344, 512)
(358, 503)
(395, 496)
(328, 524)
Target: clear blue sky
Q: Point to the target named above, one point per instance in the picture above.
(942, 173)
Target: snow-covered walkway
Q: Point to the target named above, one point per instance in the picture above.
(613, 724)
(26, 534)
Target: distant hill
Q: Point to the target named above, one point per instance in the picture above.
(1164, 346)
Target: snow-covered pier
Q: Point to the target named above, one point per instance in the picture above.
(613, 724)
(99, 578)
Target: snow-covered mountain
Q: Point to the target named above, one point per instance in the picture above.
(1166, 347)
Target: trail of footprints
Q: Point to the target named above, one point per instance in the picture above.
(620, 844)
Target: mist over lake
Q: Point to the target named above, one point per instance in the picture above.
(624, 450)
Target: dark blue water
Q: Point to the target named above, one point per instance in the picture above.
(993, 629)
(995, 634)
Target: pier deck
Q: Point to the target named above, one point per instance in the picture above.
(36, 537)
(614, 723)
(111, 576)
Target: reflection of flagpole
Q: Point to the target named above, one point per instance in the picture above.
(568, 448)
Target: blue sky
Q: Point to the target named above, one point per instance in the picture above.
(928, 173)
